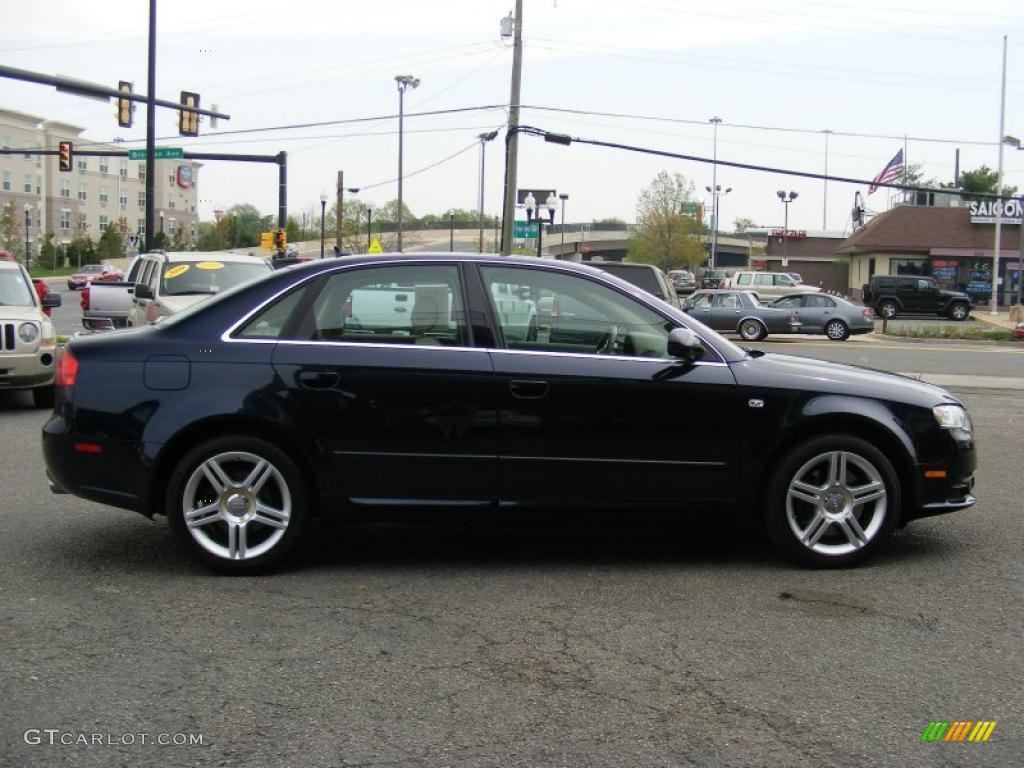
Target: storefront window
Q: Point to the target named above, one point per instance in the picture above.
(908, 267)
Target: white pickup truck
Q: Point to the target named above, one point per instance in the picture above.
(107, 304)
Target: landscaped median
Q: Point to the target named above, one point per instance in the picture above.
(959, 332)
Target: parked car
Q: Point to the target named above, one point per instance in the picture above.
(42, 291)
(251, 415)
(6, 256)
(740, 312)
(684, 281)
(28, 343)
(91, 272)
(106, 304)
(169, 282)
(891, 295)
(646, 276)
(1018, 331)
(820, 313)
(768, 285)
(714, 278)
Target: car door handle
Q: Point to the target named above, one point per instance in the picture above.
(528, 389)
(318, 379)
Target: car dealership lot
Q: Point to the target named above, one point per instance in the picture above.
(519, 644)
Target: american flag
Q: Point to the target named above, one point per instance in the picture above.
(891, 171)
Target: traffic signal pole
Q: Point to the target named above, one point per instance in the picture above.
(151, 127)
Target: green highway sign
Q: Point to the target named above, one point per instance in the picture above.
(525, 230)
(159, 153)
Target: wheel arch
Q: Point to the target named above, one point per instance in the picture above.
(195, 434)
(755, 318)
(859, 422)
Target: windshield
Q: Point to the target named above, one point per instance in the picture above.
(196, 278)
(92, 268)
(14, 290)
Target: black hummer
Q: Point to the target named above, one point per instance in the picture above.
(891, 295)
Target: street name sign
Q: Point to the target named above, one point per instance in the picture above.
(159, 153)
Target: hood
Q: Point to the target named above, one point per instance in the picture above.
(953, 294)
(837, 378)
(21, 313)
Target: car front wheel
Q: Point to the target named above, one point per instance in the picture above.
(752, 330)
(237, 504)
(837, 330)
(833, 501)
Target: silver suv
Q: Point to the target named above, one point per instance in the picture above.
(769, 284)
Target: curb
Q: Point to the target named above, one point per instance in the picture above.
(932, 340)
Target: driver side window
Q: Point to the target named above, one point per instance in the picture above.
(543, 311)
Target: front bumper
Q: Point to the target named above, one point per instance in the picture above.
(27, 370)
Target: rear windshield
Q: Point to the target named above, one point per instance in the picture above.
(641, 278)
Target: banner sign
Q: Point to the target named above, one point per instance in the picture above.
(984, 211)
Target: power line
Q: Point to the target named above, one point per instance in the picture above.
(424, 169)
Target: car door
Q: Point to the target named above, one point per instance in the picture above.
(817, 311)
(611, 422)
(699, 307)
(149, 275)
(726, 311)
(404, 406)
(927, 295)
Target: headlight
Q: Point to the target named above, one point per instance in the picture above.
(28, 332)
(952, 417)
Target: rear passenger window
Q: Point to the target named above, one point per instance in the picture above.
(744, 279)
(270, 322)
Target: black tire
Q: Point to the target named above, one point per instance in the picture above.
(888, 308)
(837, 330)
(752, 330)
(43, 397)
(284, 489)
(959, 311)
(876, 519)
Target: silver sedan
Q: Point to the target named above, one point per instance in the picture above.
(740, 312)
(833, 316)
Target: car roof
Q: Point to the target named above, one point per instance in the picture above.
(183, 256)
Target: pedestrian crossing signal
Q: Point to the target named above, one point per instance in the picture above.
(66, 153)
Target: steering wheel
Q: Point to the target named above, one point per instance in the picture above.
(610, 341)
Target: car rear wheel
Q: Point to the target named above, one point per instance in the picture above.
(888, 309)
(238, 504)
(959, 311)
(837, 330)
(834, 501)
(752, 330)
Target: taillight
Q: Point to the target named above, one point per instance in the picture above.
(868, 313)
(85, 298)
(67, 369)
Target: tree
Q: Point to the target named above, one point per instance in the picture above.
(292, 230)
(111, 244)
(48, 253)
(663, 235)
(742, 224)
(81, 250)
(160, 241)
(246, 225)
(10, 230)
(982, 180)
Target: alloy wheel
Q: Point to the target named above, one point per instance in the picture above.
(836, 330)
(836, 503)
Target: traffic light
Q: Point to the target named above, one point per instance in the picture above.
(66, 155)
(280, 240)
(125, 108)
(188, 122)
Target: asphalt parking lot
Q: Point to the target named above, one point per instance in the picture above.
(682, 644)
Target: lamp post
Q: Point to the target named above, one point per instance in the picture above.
(563, 197)
(824, 202)
(786, 200)
(404, 82)
(715, 122)
(716, 192)
(351, 191)
(1014, 142)
(451, 231)
(484, 138)
(531, 207)
(28, 245)
(323, 211)
(369, 216)
(161, 224)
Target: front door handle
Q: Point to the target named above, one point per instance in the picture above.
(528, 390)
(318, 379)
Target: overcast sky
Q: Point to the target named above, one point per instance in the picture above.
(777, 74)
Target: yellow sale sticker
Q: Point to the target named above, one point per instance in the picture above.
(173, 272)
(210, 265)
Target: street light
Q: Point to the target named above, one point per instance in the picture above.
(161, 223)
(785, 226)
(451, 231)
(28, 245)
(824, 202)
(563, 197)
(404, 82)
(323, 210)
(715, 121)
(484, 138)
(715, 194)
(530, 202)
(351, 191)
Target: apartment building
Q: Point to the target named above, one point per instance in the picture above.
(98, 192)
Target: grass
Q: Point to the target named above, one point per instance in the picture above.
(45, 272)
(967, 333)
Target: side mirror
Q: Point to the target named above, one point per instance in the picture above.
(143, 291)
(52, 300)
(683, 344)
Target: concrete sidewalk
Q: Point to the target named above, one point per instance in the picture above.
(1005, 319)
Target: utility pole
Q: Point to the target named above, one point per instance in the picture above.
(994, 303)
(151, 127)
(338, 232)
(512, 137)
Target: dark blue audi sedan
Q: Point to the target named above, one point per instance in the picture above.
(355, 387)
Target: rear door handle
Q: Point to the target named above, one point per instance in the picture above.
(528, 389)
(318, 379)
